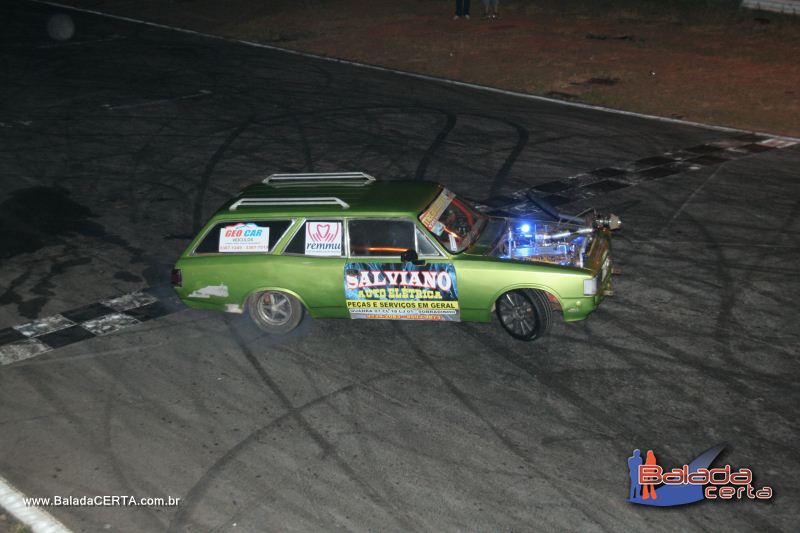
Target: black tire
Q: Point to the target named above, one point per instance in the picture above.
(275, 312)
(525, 314)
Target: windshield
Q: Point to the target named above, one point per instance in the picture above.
(453, 222)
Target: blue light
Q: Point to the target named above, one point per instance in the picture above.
(525, 228)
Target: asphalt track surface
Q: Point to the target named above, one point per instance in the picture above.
(117, 145)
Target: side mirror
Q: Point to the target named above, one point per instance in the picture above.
(410, 256)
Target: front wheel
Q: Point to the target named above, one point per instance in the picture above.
(524, 313)
(275, 312)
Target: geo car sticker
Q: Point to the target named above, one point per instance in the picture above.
(244, 237)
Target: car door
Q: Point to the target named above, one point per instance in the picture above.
(314, 258)
(379, 285)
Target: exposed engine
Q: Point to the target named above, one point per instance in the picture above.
(551, 242)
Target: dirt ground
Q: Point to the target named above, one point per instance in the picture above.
(709, 61)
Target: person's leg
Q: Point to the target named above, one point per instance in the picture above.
(466, 8)
(459, 8)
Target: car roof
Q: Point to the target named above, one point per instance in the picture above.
(393, 198)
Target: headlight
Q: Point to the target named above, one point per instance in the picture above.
(590, 287)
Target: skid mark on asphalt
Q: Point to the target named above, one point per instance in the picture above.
(507, 443)
(196, 492)
(450, 123)
(197, 223)
(43, 335)
(201, 93)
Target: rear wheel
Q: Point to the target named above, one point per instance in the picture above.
(525, 313)
(274, 311)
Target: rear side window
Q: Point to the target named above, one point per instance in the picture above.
(319, 238)
(380, 237)
(245, 237)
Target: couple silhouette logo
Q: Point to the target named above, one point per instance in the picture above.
(641, 491)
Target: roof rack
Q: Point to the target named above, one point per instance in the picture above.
(322, 200)
(357, 179)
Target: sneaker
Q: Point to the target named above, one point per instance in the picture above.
(466, 17)
(455, 17)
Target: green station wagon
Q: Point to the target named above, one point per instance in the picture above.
(344, 245)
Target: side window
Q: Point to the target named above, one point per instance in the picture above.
(425, 247)
(242, 237)
(377, 237)
(322, 238)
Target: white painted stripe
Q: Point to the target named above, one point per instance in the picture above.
(129, 301)
(43, 326)
(414, 75)
(777, 143)
(38, 520)
(779, 6)
(109, 323)
(21, 350)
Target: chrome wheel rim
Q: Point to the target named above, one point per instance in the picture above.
(274, 308)
(516, 314)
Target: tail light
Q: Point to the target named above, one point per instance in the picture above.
(176, 277)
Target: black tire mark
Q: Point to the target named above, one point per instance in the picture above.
(728, 379)
(194, 495)
(502, 174)
(507, 443)
(44, 388)
(523, 137)
(309, 160)
(539, 373)
(209, 170)
(721, 267)
(449, 124)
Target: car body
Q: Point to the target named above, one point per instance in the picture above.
(348, 246)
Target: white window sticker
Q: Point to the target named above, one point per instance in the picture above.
(324, 238)
(244, 237)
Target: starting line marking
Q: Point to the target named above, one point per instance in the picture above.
(626, 174)
(42, 335)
